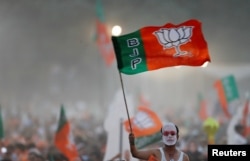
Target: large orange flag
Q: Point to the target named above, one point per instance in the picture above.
(64, 139)
(155, 47)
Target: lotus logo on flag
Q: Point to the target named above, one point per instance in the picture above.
(174, 37)
(144, 123)
(142, 120)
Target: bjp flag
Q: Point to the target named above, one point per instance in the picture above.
(64, 139)
(203, 114)
(227, 91)
(155, 47)
(103, 38)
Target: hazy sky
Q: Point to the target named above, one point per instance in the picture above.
(47, 52)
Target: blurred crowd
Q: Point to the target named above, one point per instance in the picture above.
(32, 137)
(26, 135)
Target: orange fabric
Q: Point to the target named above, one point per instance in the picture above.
(64, 143)
(222, 97)
(23, 156)
(152, 158)
(140, 127)
(203, 110)
(104, 43)
(158, 57)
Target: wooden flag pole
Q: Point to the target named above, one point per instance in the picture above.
(125, 101)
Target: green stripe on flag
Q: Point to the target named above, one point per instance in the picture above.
(142, 142)
(130, 53)
(62, 119)
(99, 11)
(230, 88)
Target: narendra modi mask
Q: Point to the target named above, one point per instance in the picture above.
(169, 134)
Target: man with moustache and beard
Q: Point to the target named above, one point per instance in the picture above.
(169, 152)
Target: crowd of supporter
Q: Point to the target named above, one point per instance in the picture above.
(25, 133)
(31, 136)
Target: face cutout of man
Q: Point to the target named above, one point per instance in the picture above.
(169, 134)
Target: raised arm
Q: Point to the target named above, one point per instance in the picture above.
(140, 154)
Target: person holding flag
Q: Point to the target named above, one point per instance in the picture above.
(152, 48)
(170, 136)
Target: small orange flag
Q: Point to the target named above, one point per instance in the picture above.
(63, 138)
(203, 108)
(103, 38)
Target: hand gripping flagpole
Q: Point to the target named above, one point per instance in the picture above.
(125, 101)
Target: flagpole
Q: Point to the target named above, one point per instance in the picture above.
(125, 101)
(121, 138)
(1, 125)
